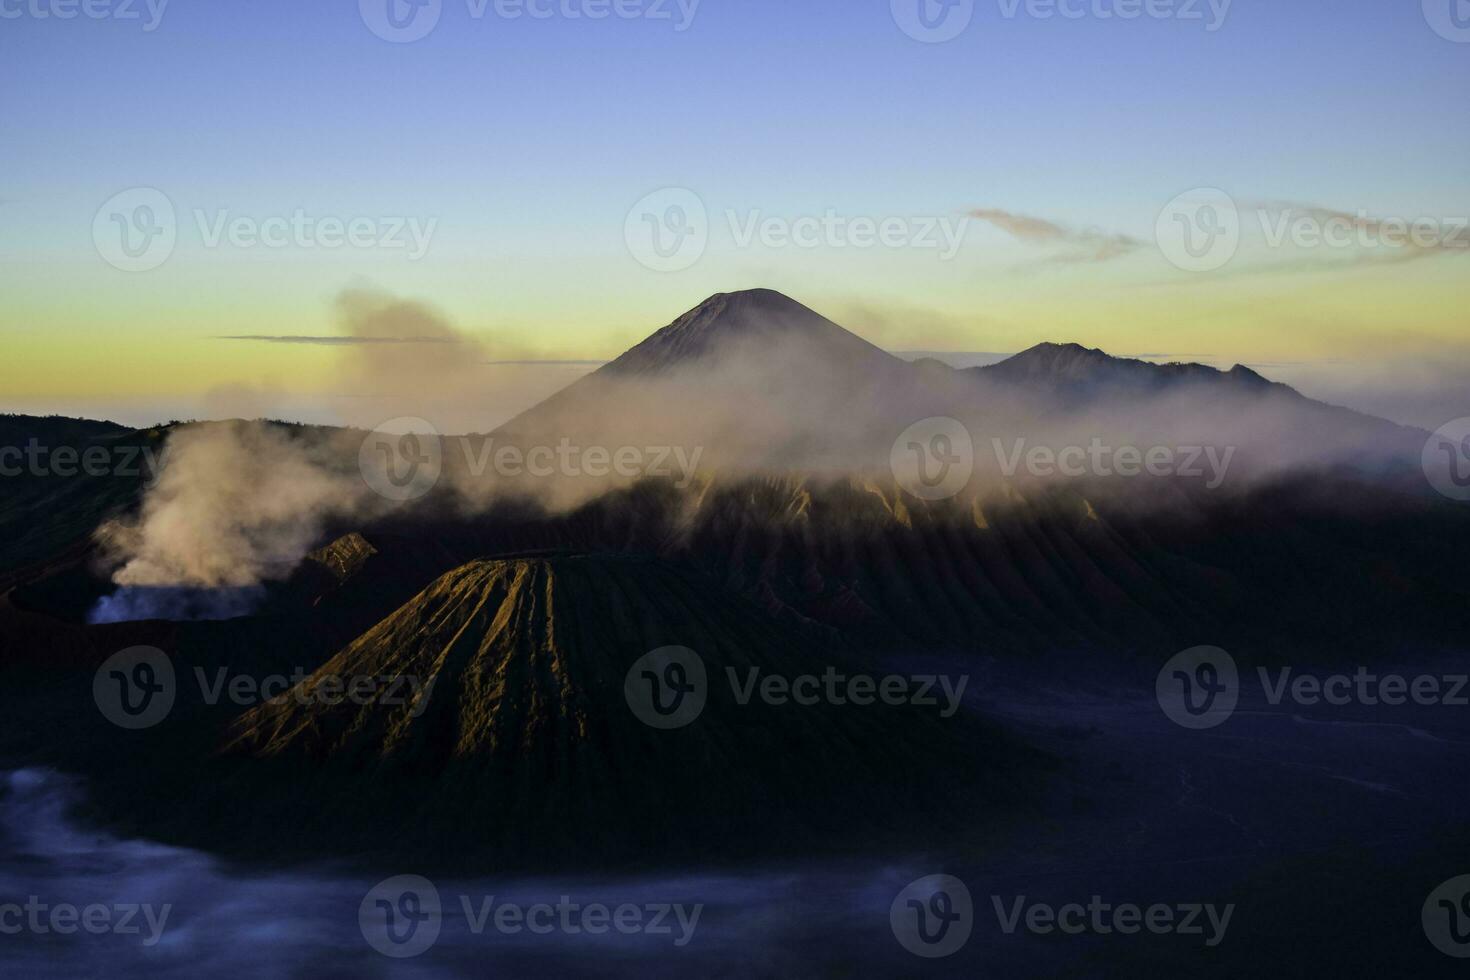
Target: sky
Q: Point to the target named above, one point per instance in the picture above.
(1166, 177)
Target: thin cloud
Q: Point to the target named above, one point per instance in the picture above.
(543, 363)
(337, 341)
(1085, 245)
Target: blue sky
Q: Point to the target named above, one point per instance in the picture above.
(528, 140)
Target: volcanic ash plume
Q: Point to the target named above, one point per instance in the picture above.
(237, 504)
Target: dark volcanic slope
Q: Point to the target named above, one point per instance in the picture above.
(736, 374)
(526, 745)
(761, 316)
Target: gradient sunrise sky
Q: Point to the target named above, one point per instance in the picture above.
(1052, 143)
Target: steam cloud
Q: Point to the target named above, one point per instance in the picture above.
(241, 503)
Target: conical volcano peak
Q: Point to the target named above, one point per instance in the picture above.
(754, 320)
